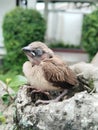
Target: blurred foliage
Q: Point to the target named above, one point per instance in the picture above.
(6, 99)
(17, 81)
(11, 79)
(61, 44)
(7, 75)
(21, 27)
(90, 33)
(2, 118)
(13, 82)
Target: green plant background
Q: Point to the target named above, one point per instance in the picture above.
(20, 27)
(90, 33)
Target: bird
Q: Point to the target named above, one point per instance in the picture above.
(47, 72)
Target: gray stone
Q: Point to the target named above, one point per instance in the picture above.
(88, 71)
(95, 60)
(77, 113)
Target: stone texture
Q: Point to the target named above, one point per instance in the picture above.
(95, 60)
(88, 71)
(77, 113)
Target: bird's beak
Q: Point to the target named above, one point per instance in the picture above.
(26, 49)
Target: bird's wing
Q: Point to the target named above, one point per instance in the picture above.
(58, 73)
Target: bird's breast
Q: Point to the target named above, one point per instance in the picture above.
(36, 78)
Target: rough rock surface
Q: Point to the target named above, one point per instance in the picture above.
(8, 114)
(77, 113)
(88, 71)
(95, 60)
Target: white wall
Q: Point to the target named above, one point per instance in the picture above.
(5, 6)
(32, 4)
(65, 26)
(72, 28)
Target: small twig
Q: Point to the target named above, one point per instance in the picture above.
(87, 88)
(94, 89)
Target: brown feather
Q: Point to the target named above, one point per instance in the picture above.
(58, 73)
(50, 73)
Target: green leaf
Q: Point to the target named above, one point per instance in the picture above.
(90, 33)
(7, 75)
(18, 81)
(6, 99)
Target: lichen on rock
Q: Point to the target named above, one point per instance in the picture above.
(77, 113)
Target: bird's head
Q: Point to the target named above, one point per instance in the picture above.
(37, 51)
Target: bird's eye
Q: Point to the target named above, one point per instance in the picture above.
(38, 52)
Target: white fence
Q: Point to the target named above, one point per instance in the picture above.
(65, 26)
